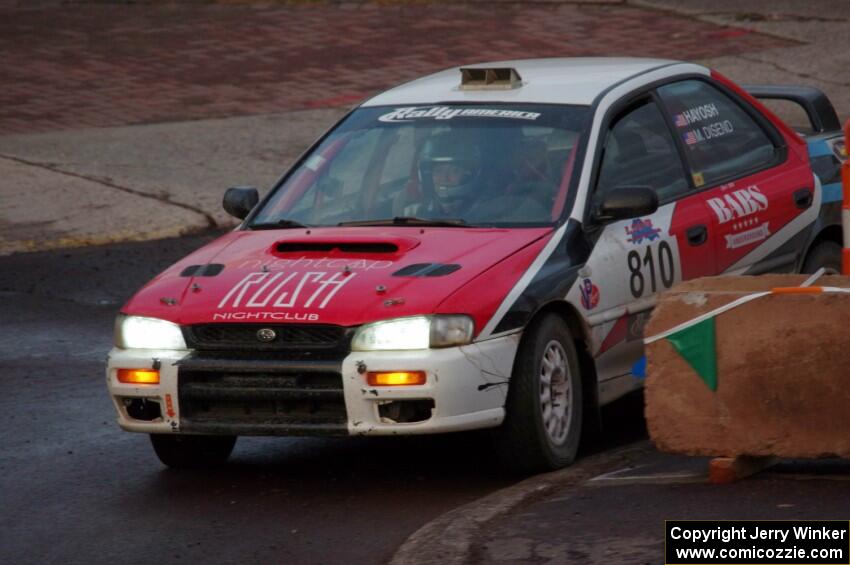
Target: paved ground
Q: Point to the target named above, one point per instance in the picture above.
(610, 507)
(99, 65)
(568, 527)
(76, 489)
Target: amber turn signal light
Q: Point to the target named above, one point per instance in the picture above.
(395, 378)
(138, 376)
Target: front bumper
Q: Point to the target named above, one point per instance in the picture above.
(465, 389)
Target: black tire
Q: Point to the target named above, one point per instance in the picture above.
(826, 254)
(522, 442)
(192, 451)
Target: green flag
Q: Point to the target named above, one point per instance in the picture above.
(696, 345)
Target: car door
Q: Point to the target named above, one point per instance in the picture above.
(635, 259)
(755, 188)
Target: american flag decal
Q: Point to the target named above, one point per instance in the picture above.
(680, 120)
(690, 138)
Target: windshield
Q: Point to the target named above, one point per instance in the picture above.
(478, 165)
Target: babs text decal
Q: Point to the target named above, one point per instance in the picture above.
(738, 204)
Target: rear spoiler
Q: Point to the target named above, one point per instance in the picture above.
(815, 103)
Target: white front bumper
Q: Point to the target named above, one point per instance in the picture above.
(467, 385)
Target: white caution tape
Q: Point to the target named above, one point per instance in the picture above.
(706, 316)
(735, 304)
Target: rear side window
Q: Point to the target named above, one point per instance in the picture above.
(723, 142)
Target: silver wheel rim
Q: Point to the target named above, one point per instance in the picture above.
(556, 392)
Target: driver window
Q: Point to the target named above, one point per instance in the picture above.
(640, 151)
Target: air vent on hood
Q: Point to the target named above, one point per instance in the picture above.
(208, 270)
(344, 247)
(426, 270)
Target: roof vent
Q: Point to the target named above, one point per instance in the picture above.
(490, 79)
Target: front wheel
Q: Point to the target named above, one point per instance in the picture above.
(192, 451)
(543, 415)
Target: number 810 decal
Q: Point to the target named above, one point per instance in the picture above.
(656, 265)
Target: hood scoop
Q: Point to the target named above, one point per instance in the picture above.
(345, 246)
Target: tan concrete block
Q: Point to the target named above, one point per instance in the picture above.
(783, 372)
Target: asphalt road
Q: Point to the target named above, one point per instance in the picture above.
(77, 489)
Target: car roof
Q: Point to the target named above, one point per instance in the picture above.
(552, 81)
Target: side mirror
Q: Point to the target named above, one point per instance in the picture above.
(240, 200)
(627, 202)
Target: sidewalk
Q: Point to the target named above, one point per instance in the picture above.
(150, 111)
(618, 516)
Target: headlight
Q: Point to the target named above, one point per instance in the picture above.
(418, 332)
(447, 331)
(137, 332)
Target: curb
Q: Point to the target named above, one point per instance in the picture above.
(449, 539)
(10, 246)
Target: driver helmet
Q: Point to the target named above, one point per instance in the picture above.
(454, 163)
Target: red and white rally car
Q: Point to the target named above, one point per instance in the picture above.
(478, 248)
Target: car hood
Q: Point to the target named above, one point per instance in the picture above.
(345, 276)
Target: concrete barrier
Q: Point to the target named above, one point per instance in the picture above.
(782, 371)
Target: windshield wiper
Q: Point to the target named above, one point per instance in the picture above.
(277, 225)
(409, 221)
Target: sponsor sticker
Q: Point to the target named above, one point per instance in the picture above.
(315, 162)
(692, 137)
(285, 290)
(710, 131)
(636, 324)
(717, 129)
(699, 179)
(589, 294)
(311, 263)
(265, 317)
(642, 230)
(695, 115)
(738, 204)
(412, 113)
(169, 406)
(748, 237)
